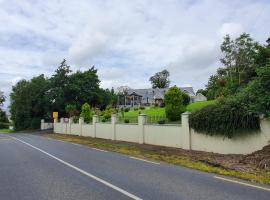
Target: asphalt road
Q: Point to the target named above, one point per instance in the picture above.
(33, 167)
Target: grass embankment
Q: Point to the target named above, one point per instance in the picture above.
(6, 131)
(198, 105)
(190, 159)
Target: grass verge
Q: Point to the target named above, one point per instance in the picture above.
(6, 131)
(163, 154)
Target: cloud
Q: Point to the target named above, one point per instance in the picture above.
(232, 29)
(128, 41)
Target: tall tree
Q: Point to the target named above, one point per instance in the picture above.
(2, 98)
(59, 87)
(239, 66)
(160, 79)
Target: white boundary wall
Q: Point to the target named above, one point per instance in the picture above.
(179, 136)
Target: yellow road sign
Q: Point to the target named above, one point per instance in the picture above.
(55, 115)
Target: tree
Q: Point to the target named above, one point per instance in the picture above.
(86, 113)
(160, 79)
(239, 61)
(29, 103)
(202, 91)
(3, 116)
(2, 98)
(174, 106)
(256, 96)
(59, 88)
(71, 110)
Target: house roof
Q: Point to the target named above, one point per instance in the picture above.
(157, 93)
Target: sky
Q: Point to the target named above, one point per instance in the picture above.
(127, 40)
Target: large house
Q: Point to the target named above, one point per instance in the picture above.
(134, 97)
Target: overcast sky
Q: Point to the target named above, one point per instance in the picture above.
(127, 40)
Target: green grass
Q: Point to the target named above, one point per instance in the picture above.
(161, 154)
(5, 131)
(198, 105)
(149, 111)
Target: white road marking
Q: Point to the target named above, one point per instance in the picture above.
(99, 150)
(145, 160)
(82, 171)
(242, 183)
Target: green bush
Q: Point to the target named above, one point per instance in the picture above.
(126, 121)
(161, 121)
(35, 123)
(174, 106)
(186, 98)
(127, 109)
(227, 118)
(86, 113)
(4, 125)
(76, 119)
(142, 108)
(136, 108)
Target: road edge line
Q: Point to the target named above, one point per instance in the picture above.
(241, 183)
(82, 171)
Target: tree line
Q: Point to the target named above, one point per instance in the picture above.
(36, 99)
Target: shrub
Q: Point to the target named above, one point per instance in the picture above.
(76, 119)
(103, 120)
(174, 104)
(186, 98)
(86, 113)
(127, 109)
(4, 125)
(126, 121)
(35, 123)
(162, 105)
(142, 108)
(136, 108)
(227, 118)
(161, 121)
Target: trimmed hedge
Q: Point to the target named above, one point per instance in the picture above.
(228, 119)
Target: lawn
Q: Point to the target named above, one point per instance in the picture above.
(198, 105)
(149, 111)
(157, 111)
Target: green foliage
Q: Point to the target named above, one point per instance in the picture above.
(35, 123)
(40, 96)
(160, 79)
(126, 121)
(239, 61)
(86, 113)
(162, 121)
(3, 117)
(108, 112)
(256, 96)
(71, 110)
(174, 106)
(4, 125)
(127, 109)
(2, 98)
(186, 98)
(29, 101)
(142, 107)
(227, 119)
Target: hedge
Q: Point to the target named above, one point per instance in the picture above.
(228, 119)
